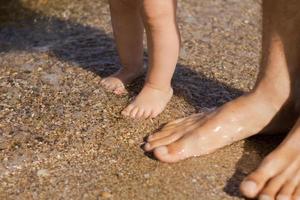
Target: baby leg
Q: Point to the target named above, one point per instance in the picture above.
(128, 32)
(163, 41)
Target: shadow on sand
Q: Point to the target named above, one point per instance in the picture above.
(92, 49)
(22, 29)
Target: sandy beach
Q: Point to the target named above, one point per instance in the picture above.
(62, 135)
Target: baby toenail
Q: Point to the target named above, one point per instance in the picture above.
(264, 197)
(282, 197)
(147, 146)
(162, 150)
(250, 186)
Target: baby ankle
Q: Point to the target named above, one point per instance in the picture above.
(159, 87)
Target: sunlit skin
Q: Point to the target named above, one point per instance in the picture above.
(272, 106)
(129, 19)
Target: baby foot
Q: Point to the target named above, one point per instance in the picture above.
(116, 82)
(149, 103)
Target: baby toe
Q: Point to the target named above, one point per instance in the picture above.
(120, 91)
(127, 110)
(133, 112)
(147, 113)
(140, 113)
(154, 113)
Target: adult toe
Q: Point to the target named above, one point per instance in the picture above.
(173, 152)
(257, 180)
(162, 141)
(296, 194)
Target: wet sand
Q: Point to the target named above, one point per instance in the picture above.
(62, 136)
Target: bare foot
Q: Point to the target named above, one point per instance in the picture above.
(278, 176)
(116, 82)
(202, 134)
(150, 102)
(241, 118)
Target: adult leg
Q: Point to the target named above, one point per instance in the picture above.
(246, 116)
(278, 176)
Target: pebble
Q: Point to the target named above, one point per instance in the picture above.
(43, 173)
(146, 175)
(105, 195)
(27, 67)
(42, 49)
(51, 79)
(131, 141)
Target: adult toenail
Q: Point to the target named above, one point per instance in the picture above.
(282, 197)
(264, 197)
(162, 150)
(250, 186)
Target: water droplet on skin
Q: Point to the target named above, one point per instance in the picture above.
(181, 152)
(228, 139)
(239, 129)
(217, 129)
(233, 119)
(225, 136)
(203, 138)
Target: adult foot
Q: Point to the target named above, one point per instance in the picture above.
(236, 120)
(116, 82)
(278, 176)
(202, 134)
(150, 102)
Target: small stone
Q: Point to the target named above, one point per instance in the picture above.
(52, 79)
(119, 174)
(146, 175)
(27, 68)
(42, 49)
(43, 173)
(105, 195)
(131, 141)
